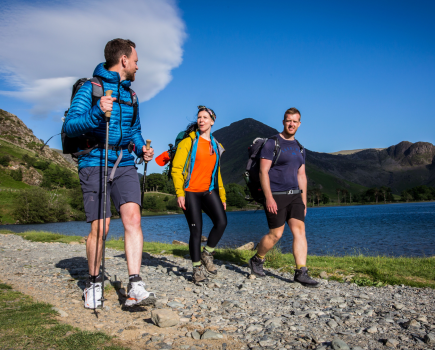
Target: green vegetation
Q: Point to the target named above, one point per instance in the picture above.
(25, 324)
(360, 269)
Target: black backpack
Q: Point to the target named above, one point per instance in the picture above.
(86, 142)
(252, 172)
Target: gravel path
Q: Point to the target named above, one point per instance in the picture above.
(243, 313)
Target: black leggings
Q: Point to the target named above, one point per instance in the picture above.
(213, 207)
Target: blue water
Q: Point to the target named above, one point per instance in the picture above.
(392, 229)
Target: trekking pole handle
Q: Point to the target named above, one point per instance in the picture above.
(148, 146)
(108, 113)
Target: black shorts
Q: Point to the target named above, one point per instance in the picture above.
(290, 206)
(123, 189)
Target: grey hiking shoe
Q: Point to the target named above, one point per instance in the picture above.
(302, 277)
(199, 275)
(138, 295)
(207, 260)
(256, 265)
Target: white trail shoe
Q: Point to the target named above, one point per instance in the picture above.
(93, 295)
(138, 295)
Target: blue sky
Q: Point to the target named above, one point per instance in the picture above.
(362, 73)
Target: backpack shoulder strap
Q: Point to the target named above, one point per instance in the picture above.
(135, 104)
(97, 89)
(300, 146)
(277, 150)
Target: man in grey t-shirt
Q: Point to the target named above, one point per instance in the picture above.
(285, 189)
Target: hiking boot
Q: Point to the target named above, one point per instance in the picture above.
(302, 277)
(137, 295)
(92, 295)
(207, 261)
(256, 265)
(199, 275)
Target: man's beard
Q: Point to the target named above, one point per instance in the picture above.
(130, 76)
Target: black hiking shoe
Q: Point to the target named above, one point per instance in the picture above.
(301, 276)
(207, 261)
(199, 275)
(256, 265)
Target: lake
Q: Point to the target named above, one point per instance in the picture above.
(406, 229)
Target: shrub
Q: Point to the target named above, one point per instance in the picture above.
(149, 203)
(39, 206)
(17, 175)
(5, 160)
(172, 204)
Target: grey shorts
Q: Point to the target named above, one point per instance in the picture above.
(123, 189)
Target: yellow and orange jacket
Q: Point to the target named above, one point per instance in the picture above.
(184, 161)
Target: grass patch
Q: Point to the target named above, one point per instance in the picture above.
(362, 270)
(25, 324)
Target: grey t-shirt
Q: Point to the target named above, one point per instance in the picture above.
(284, 174)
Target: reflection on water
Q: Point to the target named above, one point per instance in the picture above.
(392, 229)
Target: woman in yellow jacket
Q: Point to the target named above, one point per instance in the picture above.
(198, 185)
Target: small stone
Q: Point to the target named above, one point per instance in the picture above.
(422, 318)
(99, 326)
(398, 306)
(332, 324)
(323, 275)
(209, 334)
(60, 312)
(175, 304)
(392, 343)
(184, 319)
(199, 301)
(411, 324)
(276, 321)
(252, 277)
(196, 335)
(227, 303)
(372, 330)
(164, 318)
(188, 289)
(254, 328)
(429, 338)
(338, 344)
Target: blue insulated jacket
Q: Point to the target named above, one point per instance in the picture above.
(83, 118)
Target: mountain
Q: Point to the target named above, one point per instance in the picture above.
(236, 138)
(401, 166)
(16, 142)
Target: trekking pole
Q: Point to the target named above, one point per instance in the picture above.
(148, 145)
(106, 151)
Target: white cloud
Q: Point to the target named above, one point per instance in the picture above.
(46, 46)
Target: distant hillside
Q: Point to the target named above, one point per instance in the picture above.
(13, 130)
(236, 138)
(400, 167)
(352, 151)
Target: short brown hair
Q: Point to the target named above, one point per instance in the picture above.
(292, 110)
(115, 49)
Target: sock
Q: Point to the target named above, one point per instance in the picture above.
(134, 278)
(260, 256)
(95, 279)
(196, 264)
(209, 249)
(298, 267)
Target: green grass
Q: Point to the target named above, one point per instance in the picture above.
(6, 206)
(363, 270)
(25, 324)
(7, 181)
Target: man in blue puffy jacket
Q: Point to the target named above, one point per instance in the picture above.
(86, 117)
